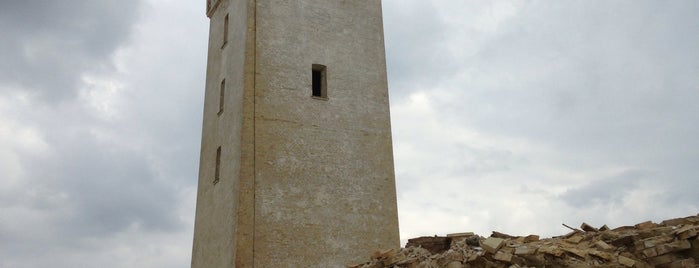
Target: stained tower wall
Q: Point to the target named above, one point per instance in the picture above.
(308, 181)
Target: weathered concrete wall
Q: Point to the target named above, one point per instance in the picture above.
(216, 217)
(324, 186)
(246, 191)
(306, 182)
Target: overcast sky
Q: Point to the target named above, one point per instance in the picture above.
(513, 116)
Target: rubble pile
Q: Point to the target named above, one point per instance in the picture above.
(671, 243)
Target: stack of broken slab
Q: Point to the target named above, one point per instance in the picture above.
(671, 243)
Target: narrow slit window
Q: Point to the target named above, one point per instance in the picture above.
(225, 31)
(319, 77)
(222, 96)
(217, 172)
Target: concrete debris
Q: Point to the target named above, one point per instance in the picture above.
(670, 244)
(492, 244)
(434, 244)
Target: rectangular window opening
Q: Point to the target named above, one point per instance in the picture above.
(225, 31)
(222, 95)
(319, 77)
(217, 173)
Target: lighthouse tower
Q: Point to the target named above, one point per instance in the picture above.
(296, 164)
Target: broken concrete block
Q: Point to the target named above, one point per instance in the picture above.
(470, 257)
(695, 248)
(394, 259)
(460, 235)
(502, 256)
(525, 250)
(675, 246)
(383, 254)
(602, 255)
(551, 250)
(680, 245)
(454, 256)
(576, 252)
(434, 244)
(508, 249)
(663, 249)
(492, 244)
(531, 238)
(473, 241)
(686, 263)
(648, 244)
(645, 225)
(502, 235)
(587, 228)
(628, 262)
(454, 264)
(603, 245)
(649, 253)
(575, 239)
(660, 260)
(676, 221)
(686, 232)
(625, 241)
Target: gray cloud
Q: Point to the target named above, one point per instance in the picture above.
(591, 82)
(568, 61)
(48, 44)
(100, 165)
(414, 61)
(574, 101)
(606, 191)
(86, 192)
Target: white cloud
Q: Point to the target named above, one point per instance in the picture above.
(18, 139)
(101, 94)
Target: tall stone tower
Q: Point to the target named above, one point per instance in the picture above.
(296, 158)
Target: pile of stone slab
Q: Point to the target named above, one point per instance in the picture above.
(671, 243)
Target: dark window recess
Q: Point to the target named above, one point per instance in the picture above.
(222, 96)
(319, 77)
(217, 173)
(225, 31)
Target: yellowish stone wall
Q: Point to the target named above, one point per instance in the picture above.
(307, 182)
